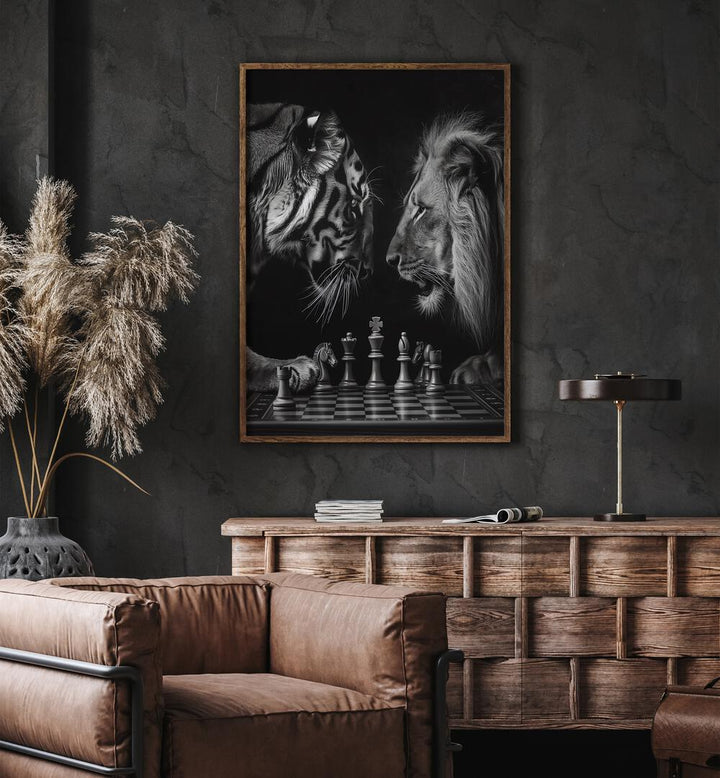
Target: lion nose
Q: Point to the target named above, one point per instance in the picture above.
(393, 259)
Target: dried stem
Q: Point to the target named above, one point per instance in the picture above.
(21, 477)
(49, 476)
(34, 470)
(44, 483)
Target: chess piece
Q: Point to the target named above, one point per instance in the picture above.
(324, 358)
(348, 358)
(375, 382)
(284, 400)
(435, 387)
(404, 382)
(417, 357)
(425, 372)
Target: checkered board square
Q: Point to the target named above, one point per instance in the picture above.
(335, 405)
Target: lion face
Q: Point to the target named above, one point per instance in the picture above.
(448, 242)
(421, 249)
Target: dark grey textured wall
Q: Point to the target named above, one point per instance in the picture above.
(615, 236)
(24, 137)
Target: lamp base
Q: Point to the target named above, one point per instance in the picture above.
(619, 517)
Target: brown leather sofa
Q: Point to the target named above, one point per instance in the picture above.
(280, 676)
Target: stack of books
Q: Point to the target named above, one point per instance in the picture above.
(349, 510)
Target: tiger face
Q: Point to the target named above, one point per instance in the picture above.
(309, 199)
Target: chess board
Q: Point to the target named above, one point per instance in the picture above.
(460, 410)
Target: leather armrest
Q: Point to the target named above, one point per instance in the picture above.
(81, 717)
(379, 640)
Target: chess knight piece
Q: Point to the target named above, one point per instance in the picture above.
(324, 358)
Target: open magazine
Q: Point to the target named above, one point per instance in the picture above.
(503, 516)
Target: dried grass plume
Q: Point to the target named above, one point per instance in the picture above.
(89, 323)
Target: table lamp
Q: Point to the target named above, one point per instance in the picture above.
(620, 388)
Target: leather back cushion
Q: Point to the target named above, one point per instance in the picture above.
(209, 624)
(378, 640)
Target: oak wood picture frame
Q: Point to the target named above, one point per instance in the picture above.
(247, 71)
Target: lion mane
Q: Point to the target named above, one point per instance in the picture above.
(466, 155)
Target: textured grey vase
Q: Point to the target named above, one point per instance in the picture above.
(35, 549)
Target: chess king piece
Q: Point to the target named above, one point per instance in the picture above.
(283, 402)
(348, 343)
(435, 387)
(404, 382)
(375, 382)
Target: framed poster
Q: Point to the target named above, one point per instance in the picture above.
(375, 252)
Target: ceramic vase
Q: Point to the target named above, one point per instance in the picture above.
(35, 549)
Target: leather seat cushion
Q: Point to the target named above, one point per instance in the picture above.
(262, 725)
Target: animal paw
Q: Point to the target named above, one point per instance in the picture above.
(304, 374)
(479, 369)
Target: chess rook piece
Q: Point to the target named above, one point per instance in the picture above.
(284, 400)
(435, 386)
(425, 372)
(348, 358)
(404, 382)
(375, 382)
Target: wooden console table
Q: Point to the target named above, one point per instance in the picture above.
(565, 623)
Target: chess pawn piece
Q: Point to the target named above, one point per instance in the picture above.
(425, 372)
(435, 387)
(284, 400)
(404, 382)
(348, 343)
(375, 382)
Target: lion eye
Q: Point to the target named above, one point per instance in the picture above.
(419, 212)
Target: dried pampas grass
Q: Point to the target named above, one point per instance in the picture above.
(138, 267)
(116, 381)
(143, 265)
(87, 323)
(13, 334)
(53, 288)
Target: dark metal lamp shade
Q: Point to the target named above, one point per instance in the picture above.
(620, 388)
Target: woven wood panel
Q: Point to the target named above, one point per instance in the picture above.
(673, 626)
(626, 688)
(699, 567)
(248, 556)
(340, 559)
(497, 566)
(623, 567)
(482, 627)
(431, 564)
(572, 626)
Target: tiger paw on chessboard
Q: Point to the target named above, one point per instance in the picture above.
(479, 369)
(262, 373)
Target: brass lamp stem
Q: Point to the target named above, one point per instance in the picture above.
(619, 404)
